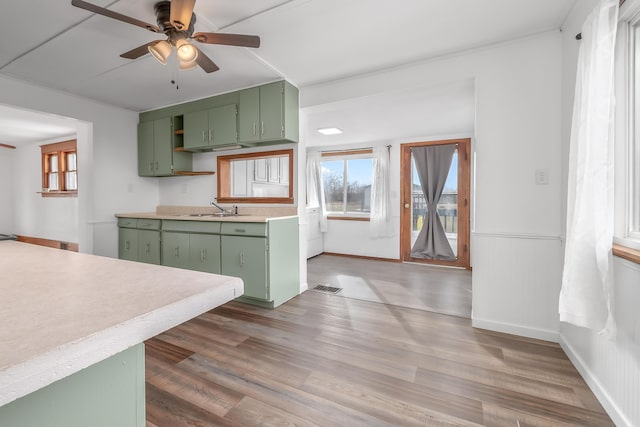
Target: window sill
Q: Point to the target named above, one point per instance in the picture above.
(627, 253)
(59, 193)
(347, 218)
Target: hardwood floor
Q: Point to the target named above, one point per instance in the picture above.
(423, 287)
(324, 360)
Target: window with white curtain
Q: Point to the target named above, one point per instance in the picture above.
(627, 133)
(347, 182)
(633, 177)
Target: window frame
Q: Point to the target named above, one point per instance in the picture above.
(61, 150)
(224, 177)
(626, 241)
(345, 155)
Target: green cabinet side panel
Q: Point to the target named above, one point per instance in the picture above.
(223, 125)
(107, 394)
(291, 112)
(196, 129)
(205, 252)
(284, 259)
(145, 149)
(149, 246)
(162, 146)
(246, 258)
(249, 115)
(128, 244)
(271, 113)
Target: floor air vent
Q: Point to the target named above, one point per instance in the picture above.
(327, 289)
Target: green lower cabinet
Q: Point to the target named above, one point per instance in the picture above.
(139, 240)
(175, 250)
(107, 394)
(246, 258)
(149, 246)
(128, 244)
(204, 252)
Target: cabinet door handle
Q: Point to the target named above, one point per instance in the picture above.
(262, 128)
(156, 165)
(241, 258)
(176, 252)
(239, 230)
(210, 140)
(147, 248)
(254, 128)
(126, 245)
(203, 132)
(151, 166)
(203, 255)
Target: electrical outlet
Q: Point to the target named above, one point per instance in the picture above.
(542, 176)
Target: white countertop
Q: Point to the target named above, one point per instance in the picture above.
(63, 311)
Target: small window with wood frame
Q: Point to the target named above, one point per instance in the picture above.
(346, 177)
(264, 177)
(60, 169)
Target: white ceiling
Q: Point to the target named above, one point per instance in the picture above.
(56, 45)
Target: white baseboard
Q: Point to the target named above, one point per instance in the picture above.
(509, 328)
(603, 397)
(303, 287)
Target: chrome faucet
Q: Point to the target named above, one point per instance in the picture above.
(218, 206)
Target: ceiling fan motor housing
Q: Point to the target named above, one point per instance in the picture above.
(163, 14)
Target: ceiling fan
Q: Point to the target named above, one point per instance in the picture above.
(176, 20)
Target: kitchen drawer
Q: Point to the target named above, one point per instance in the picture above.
(258, 229)
(148, 224)
(127, 222)
(207, 227)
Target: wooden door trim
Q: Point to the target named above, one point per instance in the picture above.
(464, 203)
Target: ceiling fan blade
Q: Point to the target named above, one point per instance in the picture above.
(228, 39)
(205, 62)
(181, 12)
(13, 147)
(138, 51)
(114, 15)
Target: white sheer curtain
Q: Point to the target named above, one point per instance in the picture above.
(380, 221)
(315, 187)
(586, 296)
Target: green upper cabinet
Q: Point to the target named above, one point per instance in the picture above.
(156, 156)
(268, 113)
(213, 127)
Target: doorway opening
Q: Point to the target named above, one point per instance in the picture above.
(439, 235)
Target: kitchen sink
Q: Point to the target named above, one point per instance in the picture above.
(216, 214)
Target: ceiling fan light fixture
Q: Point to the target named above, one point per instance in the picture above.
(187, 65)
(186, 51)
(160, 50)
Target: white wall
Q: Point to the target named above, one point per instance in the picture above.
(517, 130)
(7, 157)
(107, 161)
(611, 367)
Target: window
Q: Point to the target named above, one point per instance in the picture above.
(346, 178)
(60, 169)
(264, 177)
(627, 135)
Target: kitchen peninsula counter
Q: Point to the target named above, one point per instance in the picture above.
(64, 311)
(202, 213)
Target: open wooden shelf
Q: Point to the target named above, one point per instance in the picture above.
(182, 150)
(193, 173)
(179, 132)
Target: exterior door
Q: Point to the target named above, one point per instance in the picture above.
(453, 207)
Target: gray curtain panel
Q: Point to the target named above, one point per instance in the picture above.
(432, 164)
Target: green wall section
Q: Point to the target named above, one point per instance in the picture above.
(107, 394)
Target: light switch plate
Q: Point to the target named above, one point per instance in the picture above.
(542, 176)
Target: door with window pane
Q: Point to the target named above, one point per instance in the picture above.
(451, 209)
